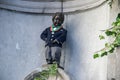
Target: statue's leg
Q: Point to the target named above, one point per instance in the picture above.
(48, 55)
(56, 55)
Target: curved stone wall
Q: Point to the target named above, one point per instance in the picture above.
(47, 6)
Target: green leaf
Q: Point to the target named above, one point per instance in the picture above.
(37, 78)
(103, 53)
(118, 39)
(44, 74)
(109, 33)
(95, 56)
(111, 50)
(107, 44)
(53, 69)
(118, 17)
(118, 24)
(101, 37)
(114, 24)
(110, 3)
(115, 44)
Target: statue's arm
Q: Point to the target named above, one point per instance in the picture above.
(44, 34)
(62, 38)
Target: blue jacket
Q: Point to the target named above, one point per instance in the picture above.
(48, 36)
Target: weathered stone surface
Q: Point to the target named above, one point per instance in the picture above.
(49, 6)
(22, 50)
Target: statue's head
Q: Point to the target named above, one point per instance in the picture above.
(58, 19)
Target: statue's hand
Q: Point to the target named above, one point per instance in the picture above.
(45, 39)
(54, 41)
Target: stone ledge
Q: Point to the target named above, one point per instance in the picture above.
(49, 7)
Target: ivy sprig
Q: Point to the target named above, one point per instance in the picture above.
(113, 32)
(43, 75)
(110, 2)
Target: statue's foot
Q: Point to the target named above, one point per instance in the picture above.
(49, 61)
(60, 67)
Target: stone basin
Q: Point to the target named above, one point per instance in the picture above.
(62, 75)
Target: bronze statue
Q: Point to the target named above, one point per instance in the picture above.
(54, 37)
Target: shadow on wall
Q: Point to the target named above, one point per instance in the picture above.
(73, 46)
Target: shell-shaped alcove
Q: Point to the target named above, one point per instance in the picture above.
(22, 50)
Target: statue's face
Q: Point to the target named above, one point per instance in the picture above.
(57, 21)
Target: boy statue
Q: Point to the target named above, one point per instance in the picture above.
(54, 37)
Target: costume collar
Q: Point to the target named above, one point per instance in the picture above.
(55, 28)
